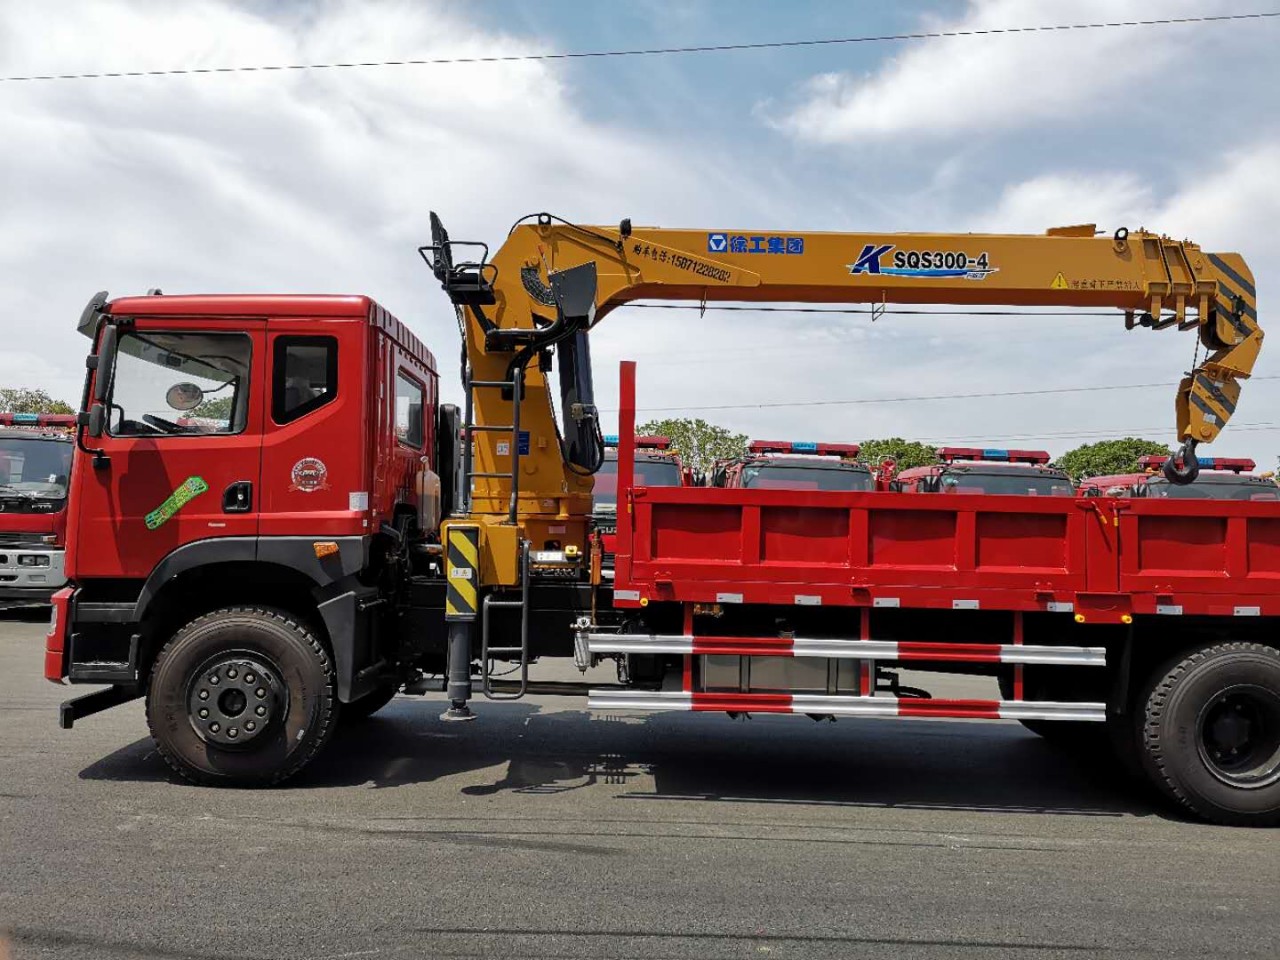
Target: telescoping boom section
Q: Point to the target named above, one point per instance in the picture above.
(551, 281)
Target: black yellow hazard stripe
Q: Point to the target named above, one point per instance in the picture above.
(1237, 297)
(462, 565)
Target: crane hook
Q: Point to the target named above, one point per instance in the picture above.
(1190, 468)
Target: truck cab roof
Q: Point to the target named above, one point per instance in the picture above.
(270, 306)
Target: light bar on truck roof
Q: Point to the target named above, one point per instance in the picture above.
(992, 455)
(654, 442)
(804, 447)
(63, 420)
(1152, 461)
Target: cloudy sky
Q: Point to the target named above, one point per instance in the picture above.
(321, 181)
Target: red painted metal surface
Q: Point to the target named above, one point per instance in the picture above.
(55, 638)
(360, 467)
(1105, 559)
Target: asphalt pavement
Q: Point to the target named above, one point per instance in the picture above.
(542, 831)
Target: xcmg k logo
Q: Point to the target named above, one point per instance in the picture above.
(921, 264)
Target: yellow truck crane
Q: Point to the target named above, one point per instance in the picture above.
(552, 281)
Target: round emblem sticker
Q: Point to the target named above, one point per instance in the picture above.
(309, 475)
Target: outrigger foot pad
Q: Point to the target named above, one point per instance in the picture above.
(457, 713)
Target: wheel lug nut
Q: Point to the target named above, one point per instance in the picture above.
(233, 733)
(248, 678)
(231, 672)
(213, 727)
(261, 692)
(204, 713)
(261, 710)
(213, 678)
(204, 694)
(250, 725)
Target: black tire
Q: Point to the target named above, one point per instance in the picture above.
(1211, 736)
(368, 705)
(284, 717)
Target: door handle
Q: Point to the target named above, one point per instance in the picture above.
(238, 497)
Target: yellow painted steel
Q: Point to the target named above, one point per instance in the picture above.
(462, 569)
(1154, 280)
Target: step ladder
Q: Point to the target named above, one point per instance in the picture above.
(516, 386)
(501, 598)
(489, 653)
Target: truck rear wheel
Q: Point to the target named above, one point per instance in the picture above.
(1211, 737)
(242, 696)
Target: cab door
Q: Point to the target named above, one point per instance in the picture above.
(182, 448)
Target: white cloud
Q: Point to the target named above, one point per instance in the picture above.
(975, 85)
(321, 182)
(316, 181)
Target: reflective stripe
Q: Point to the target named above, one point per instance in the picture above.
(845, 649)
(855, 706)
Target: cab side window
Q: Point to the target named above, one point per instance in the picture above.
(410, 401)
(304, 376)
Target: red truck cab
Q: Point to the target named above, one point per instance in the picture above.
(656, 465)
(35, 469)
(1221, 478)
(988, 470)
(795, 465)
(279, 445)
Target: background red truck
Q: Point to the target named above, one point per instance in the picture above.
(795, 465)
(1221, 478)
(35, 469)
(656, 465)
(988, 470)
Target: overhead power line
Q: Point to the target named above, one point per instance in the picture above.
(855, 401)
(644, 52)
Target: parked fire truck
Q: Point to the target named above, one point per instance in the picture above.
(656, 465)
(1025, 473)
(307, 553)
(35, 467)
(795, 465)
(1221, 478)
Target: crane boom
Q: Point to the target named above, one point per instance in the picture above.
(551, 281)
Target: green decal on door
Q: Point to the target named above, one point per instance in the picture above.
(191, 488)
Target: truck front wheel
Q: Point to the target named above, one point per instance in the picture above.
(1211, 736)
(242, 696)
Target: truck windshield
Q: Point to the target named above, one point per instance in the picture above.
(180, 383)
(790, 476)
(35, 467)
(649, 473)
(1009, 482)
(1214, 488)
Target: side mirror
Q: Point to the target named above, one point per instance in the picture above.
(106, 364)
(97, 419)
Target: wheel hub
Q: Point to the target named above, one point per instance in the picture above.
(233, 700)
(1239, 736)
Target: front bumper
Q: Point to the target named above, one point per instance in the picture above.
(26, 584)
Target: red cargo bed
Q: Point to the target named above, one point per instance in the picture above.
(1102, 559)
